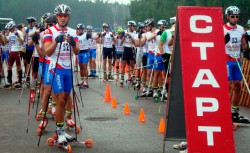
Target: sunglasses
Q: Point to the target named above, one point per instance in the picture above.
(50, 24)
(234, 16)
(63, 15)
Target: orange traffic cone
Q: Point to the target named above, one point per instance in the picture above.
(107, 97)
(114, 104)
(142, 117)
(161, 128)
(126, 110)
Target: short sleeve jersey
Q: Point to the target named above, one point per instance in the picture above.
(234, 45)
(64, 61)
(14, 43)
(165, 37)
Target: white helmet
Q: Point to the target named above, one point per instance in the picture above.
(80, 26)
(89, 27)
(131, 23)
(10, 25)
(248, 22)
(232, 10)
(62, 9)
(162, 22)
(172, 20)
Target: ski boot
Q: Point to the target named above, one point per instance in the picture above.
(32, 95)
(237, 118)
(121, 83)
(156, 96)
(110, 77)
(180, 146)
(149, 93)
(142, 94)
(18, 86)
(9, 86)
(71, 124)
(137, 85)
(91, 74)
(105, 77)
(42, 126)
(85, 84)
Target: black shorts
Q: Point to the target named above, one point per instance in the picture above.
(128, 54)
(28, 55)
(166, 63)
(35, 64)
(107, 52)
(144, 60)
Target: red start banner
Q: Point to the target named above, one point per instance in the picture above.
(209, 126)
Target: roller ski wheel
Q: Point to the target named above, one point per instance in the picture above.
(156, 100)
(121, 85)
(235, 126)
(136, 96)
(50, 141)
(89, 143)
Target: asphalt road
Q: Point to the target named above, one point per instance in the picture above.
(110, 129)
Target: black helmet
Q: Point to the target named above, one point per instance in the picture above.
(51, 18)
(31, 19)
(80, 26)
(149, 22)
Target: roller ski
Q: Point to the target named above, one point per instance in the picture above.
(84, 84)
(142, 94)
(156, 96)
(42, 126)
(71, 124)
(62, 139)
(93, 75)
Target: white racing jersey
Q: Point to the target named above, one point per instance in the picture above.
(236, 33)
(83, 42)
(64, 61)
(14, 43)
(92, 42)
(153, 44)
(107, 40)
(127, 41)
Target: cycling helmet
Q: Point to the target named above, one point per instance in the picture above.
(232, 10)
(51, 18)
(62, 9)
(131, 23)
(120, 30)
(31, 19)
(10, 25)
(46, 15)
(172, 20)
(80, 26)
(141, 25)
(248, 22)
(89, 27)
(104, 25)
(149, 22)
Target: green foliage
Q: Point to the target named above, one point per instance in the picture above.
(83, 11)
(164, 9)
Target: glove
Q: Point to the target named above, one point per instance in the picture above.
(164, 57)
(159, 32)
(72, 42)
(88, 36)
(227, 38)
(35, 38)
(122, 34)
(16, 33)
(59, 39)
(42, 29)
(27, 30)
(111, 36)
(104, 34)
